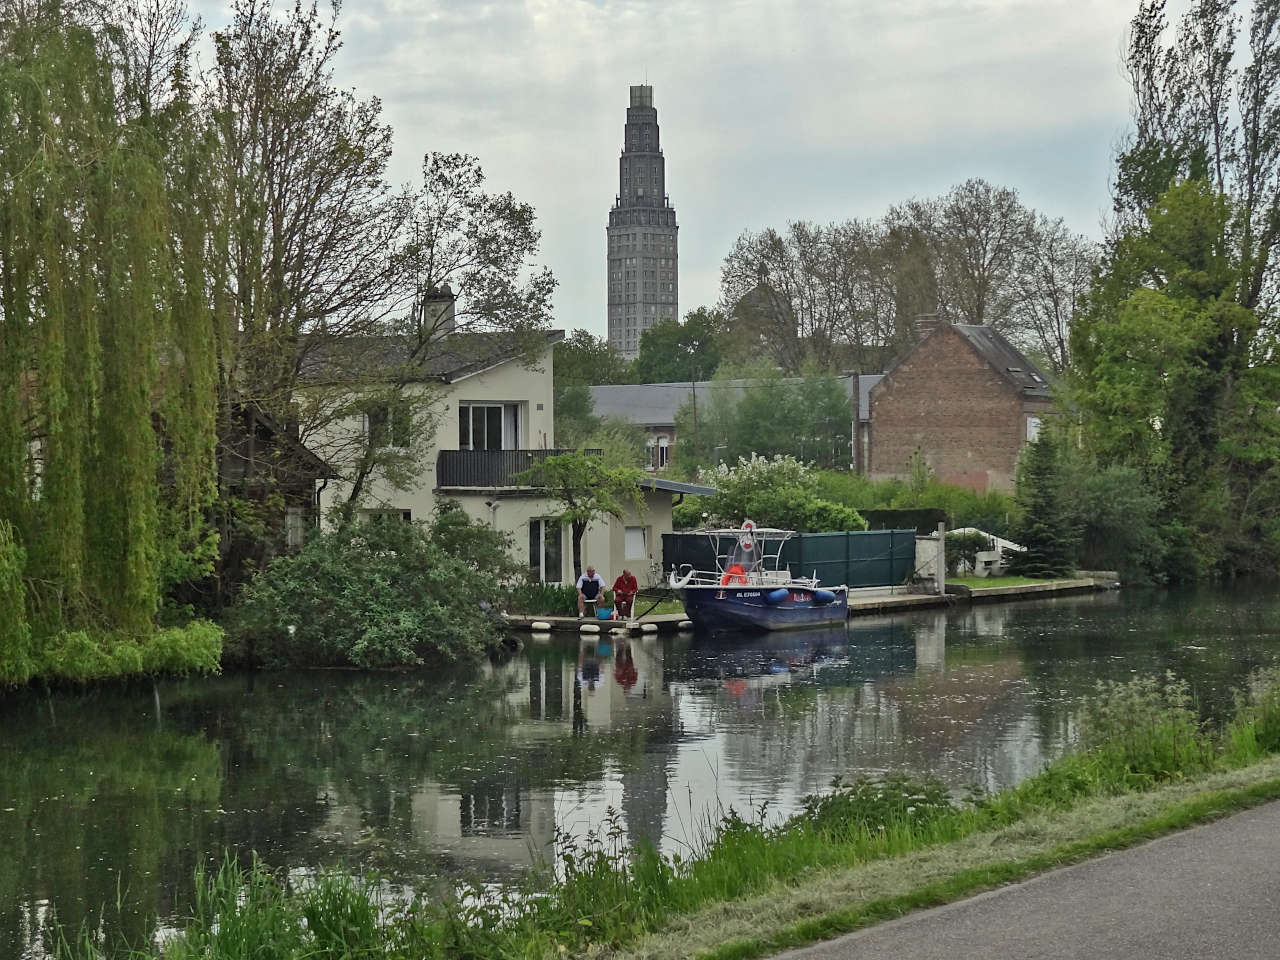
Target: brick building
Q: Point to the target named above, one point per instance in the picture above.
(966, 398)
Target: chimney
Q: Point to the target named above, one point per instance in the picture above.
(437, 311)
(926, 323)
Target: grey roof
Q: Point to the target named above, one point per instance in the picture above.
(448, 358)
(675, 486)
(1006, 358)
(656, 404)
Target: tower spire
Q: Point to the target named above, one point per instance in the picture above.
(643, 260)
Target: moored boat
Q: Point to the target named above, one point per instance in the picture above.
(750, 589)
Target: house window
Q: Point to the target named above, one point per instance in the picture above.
(544, 550)
(387, 425)
(635, 543)
(1033, 428)
(662, 451)
(488, 426)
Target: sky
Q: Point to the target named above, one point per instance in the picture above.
(769, 111)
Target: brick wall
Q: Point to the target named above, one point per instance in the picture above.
(967, 420)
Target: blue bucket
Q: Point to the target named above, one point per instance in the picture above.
(604, 614)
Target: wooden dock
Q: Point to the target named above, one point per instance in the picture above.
(655, 623)
(860, 605)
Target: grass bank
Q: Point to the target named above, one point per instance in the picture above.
(865, 851)
(975, 583)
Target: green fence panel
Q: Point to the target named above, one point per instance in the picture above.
(862, 558)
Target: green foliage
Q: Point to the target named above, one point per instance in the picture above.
(963, 548)
(991, 510)
(81, 656)
(485, 549)
(587, 488)
(807, 418)
(1044, 527)
(777, 492)
(380, 594)
(16, 664)
(546, 599)
(674, 352)
(106, 343)
(1176, 383)
(1254, 731)
(866, 806)
(583, 360)
(575, 417)
(1145, 731)
(1117, 517)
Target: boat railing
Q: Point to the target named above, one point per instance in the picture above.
(754, 578)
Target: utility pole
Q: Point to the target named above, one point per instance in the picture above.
(693, 385)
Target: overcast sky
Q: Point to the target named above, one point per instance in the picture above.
(770, 111)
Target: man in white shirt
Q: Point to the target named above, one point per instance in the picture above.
(590, 589)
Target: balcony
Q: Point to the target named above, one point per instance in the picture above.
(488, 469)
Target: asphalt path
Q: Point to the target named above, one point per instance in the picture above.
(1210, 892)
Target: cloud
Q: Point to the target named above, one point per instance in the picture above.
(770, 111)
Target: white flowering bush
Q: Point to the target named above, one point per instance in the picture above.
(777, 491)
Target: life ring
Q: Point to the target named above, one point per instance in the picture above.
(735, 574)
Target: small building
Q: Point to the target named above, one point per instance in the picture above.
(966, 399)
(654, 406)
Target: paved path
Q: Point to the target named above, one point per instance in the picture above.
(1211, 892)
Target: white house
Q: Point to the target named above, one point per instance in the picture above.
(491, 411)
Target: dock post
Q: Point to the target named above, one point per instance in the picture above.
(942, 559)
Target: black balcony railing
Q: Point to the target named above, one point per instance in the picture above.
(489, 468)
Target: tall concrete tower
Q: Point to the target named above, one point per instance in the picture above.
(644, 263)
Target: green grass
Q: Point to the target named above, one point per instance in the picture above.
(975, 583)
(864, 851)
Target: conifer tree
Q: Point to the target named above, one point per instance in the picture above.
(1044, 528)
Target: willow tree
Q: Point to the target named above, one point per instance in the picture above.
(106, 430)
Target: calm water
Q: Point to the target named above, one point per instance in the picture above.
(115, 797)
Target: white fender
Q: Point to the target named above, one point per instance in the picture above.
(678, 582)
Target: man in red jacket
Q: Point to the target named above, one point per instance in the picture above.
(625, 589)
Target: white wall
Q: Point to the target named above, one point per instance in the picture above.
(509, 382)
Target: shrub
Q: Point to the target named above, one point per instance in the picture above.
(380, 594)
(965, 547)
(1145, 731)
(777, 492)
(547, 599)
(1255, 729)
(867, 806)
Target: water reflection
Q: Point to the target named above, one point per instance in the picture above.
(120, 794)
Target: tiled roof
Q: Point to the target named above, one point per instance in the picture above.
(447, 358)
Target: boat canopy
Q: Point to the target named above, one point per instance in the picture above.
(747, 549)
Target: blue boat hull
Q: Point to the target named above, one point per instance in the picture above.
(753, 608)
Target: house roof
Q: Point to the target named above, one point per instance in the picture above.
(656, 404)
(675, 486)
(1006, 358)
(450, 358)
(999, 353)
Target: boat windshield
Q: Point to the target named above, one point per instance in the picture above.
(745, 554)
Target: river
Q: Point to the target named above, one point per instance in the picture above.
(109, 799)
